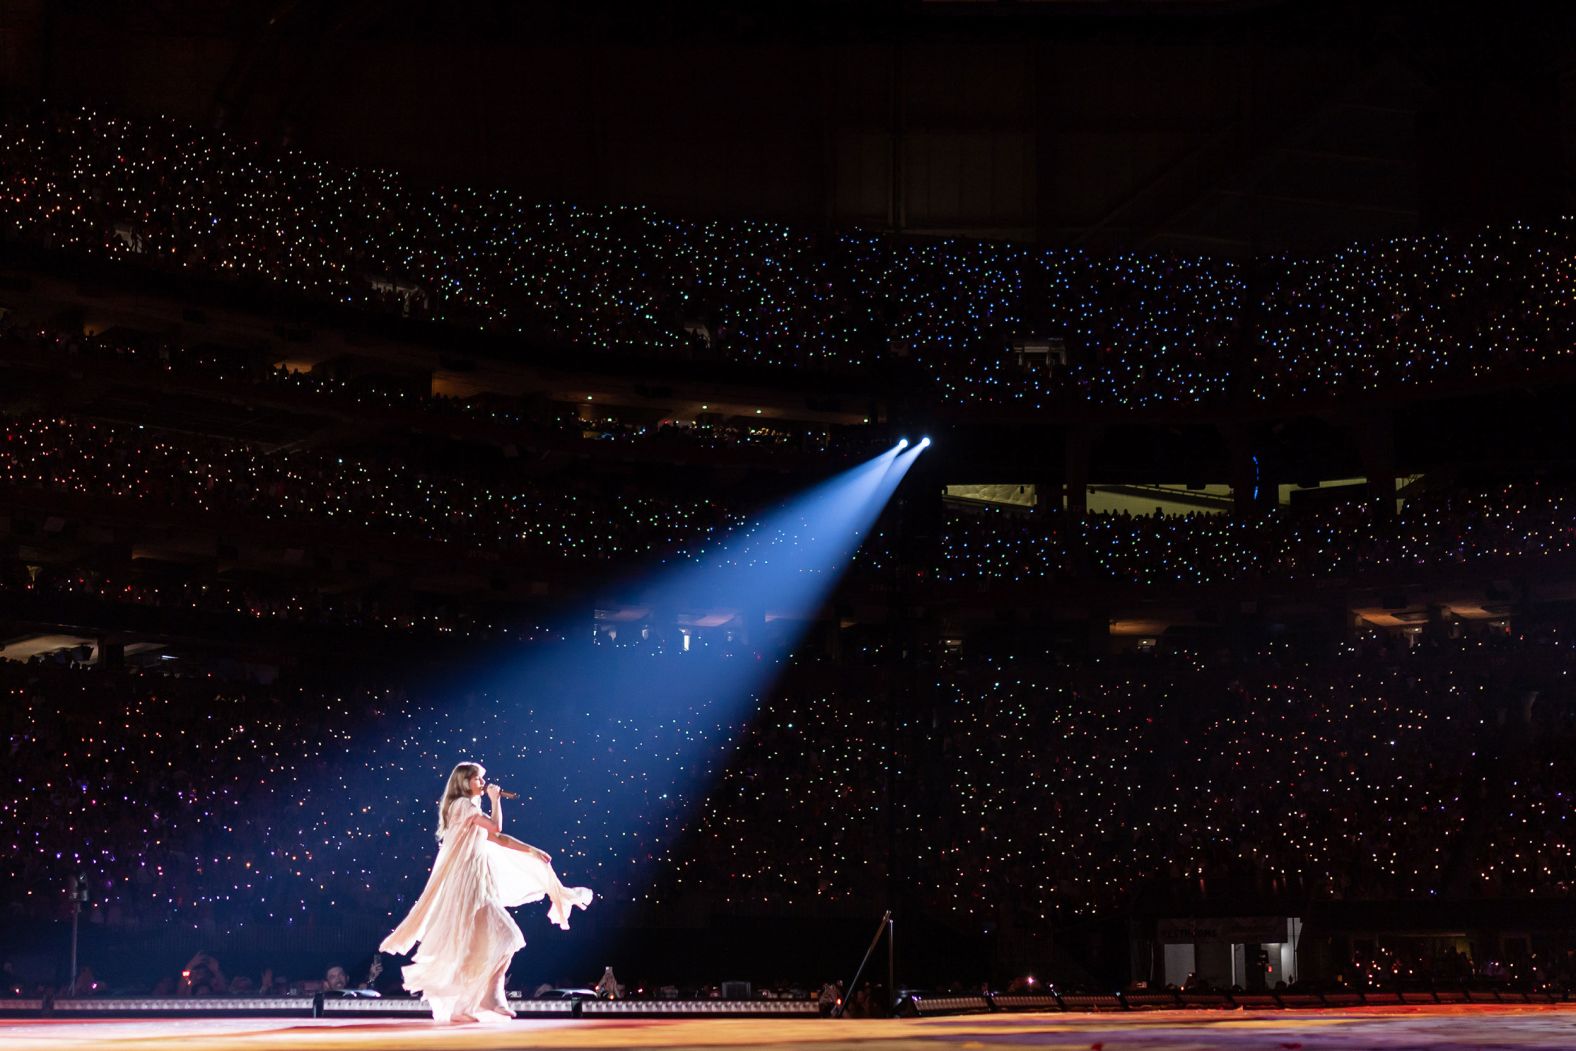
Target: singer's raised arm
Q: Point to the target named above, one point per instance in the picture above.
(494, 826)
(495, 794)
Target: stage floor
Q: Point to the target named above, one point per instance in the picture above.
(1454, 1027)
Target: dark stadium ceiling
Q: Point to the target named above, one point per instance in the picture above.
(1214, 126)
(697, 16)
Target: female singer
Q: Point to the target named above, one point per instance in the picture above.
(467, 938)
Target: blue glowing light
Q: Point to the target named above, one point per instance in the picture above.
(622, 730)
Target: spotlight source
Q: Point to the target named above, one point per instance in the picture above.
(902, 443)
(924, 443)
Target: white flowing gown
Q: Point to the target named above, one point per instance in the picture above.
(466, 937)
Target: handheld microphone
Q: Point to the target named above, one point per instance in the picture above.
(508, 795)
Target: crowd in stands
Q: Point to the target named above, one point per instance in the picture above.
(1020, 790)
(1370, 775)
(404, 493)
(1447, 528)
(519, 419)
(67, 590)
(996, 789)
(398, 491)
(1134, 329)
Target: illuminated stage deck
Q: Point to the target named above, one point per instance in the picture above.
(1348, 1029)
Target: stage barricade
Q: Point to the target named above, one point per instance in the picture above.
(1086, 1002)
(12, 1008)
(911, 1005)
(1025, 1002)
(132, 1006)
(404, 1006)
(332, 1007)
(699, 1008)
(916, 1004)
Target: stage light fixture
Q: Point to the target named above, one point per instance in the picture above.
(924, 443)
(902, 443)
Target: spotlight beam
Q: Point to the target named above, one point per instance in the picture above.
(613, 749)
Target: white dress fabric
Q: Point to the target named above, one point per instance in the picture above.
(466, 937)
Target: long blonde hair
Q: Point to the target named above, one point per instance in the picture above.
(459, 786)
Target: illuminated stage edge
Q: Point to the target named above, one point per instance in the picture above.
(1394, 1027)
(912, 1005)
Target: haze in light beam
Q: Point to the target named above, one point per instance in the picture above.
(612, 747)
